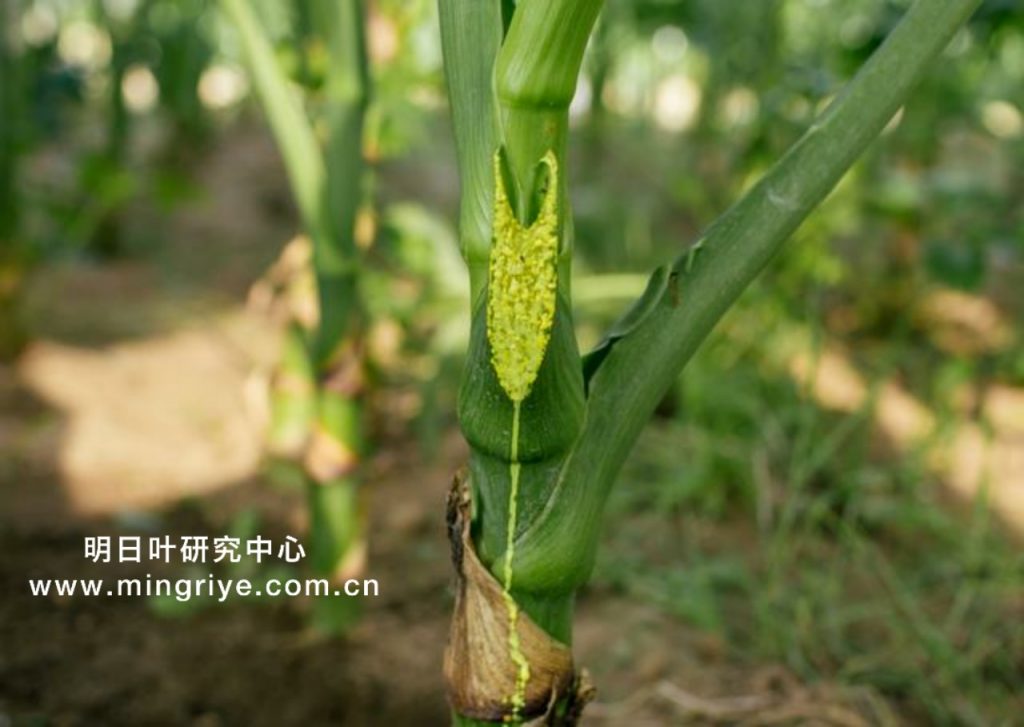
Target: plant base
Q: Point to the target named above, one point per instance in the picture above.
(480, 671)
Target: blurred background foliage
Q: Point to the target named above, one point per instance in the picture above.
(800, 496)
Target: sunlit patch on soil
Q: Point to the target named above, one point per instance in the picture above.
(153, 420)
(974, 460)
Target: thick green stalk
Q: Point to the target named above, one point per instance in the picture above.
(472, 34)
(558, 549)
(535, 73)
(522, 396)
(534, 82)
(542, 53)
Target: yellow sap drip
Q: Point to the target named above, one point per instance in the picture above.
(518, 698)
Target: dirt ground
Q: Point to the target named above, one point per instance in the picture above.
(132, 413)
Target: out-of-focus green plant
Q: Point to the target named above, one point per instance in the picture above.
(11, 264)
(549, 431)
(100, 82)
(318, 402)
(186, 51)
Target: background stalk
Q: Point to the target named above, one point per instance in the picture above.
(9, 131)
(12, 256)
(327, 180)
(292, 396)
(288, 121)
(337, 444)
(106, 237)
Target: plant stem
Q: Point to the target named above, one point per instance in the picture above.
(10, 131)
(511, 133)
(471, 34)
(337, 445)
(534, 77)
(292, 396)
(292, 130)
(13, 254)
(541, 56)
(347, 95)
(328, 185)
